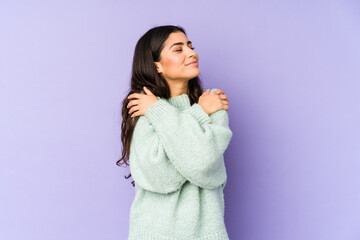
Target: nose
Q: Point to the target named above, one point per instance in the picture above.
(192, 53)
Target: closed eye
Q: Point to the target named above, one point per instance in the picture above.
(181, 49)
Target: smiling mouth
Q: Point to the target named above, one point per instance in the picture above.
(192, 63)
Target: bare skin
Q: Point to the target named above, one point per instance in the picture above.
(174, 61)
(210, 102)
(175, 68)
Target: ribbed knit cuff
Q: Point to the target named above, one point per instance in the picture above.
(137, 232)
(219, 115)
(198, 113)
(159, 111)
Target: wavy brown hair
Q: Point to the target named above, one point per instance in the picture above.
(144, 73)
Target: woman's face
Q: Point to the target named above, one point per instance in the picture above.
(175, 58)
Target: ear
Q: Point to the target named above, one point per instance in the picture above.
(158, 67)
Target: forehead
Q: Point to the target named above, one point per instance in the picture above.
(176, 37)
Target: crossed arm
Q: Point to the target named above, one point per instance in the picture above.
(170, 147)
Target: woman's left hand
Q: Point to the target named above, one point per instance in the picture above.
(142, 103)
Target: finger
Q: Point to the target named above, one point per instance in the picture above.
(224, 97)
(219, 91)
(134, 95)
(133, 109)
(135, 114)
(225, 107)
(206, 92)
(224, 101)
(132, 102)
(147, 91)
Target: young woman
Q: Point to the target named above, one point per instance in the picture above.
(174, 135)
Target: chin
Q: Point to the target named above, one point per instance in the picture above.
(194, 74)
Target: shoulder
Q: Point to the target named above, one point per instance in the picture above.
(142, 127)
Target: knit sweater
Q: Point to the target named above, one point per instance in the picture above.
(176, 160)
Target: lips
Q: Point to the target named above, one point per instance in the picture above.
(191, 62)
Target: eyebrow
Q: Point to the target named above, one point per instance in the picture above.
(179, 43)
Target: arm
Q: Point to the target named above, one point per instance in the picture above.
(149, 165)
(220, 118)
(192, 142)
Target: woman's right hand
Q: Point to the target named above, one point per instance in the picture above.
(214, 101)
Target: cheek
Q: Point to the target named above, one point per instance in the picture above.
(172, 62)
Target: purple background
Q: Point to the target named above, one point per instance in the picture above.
(291, 70)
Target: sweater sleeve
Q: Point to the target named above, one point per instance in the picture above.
(193, 141)
(219, 118)
(149, 165)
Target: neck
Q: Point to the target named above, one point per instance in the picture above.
(178, 89)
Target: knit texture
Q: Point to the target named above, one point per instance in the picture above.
(176, 159)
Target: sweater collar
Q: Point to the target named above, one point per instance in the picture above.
(182, 101)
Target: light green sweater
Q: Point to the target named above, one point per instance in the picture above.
(176, 160)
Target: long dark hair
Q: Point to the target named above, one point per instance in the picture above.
(144, 73)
